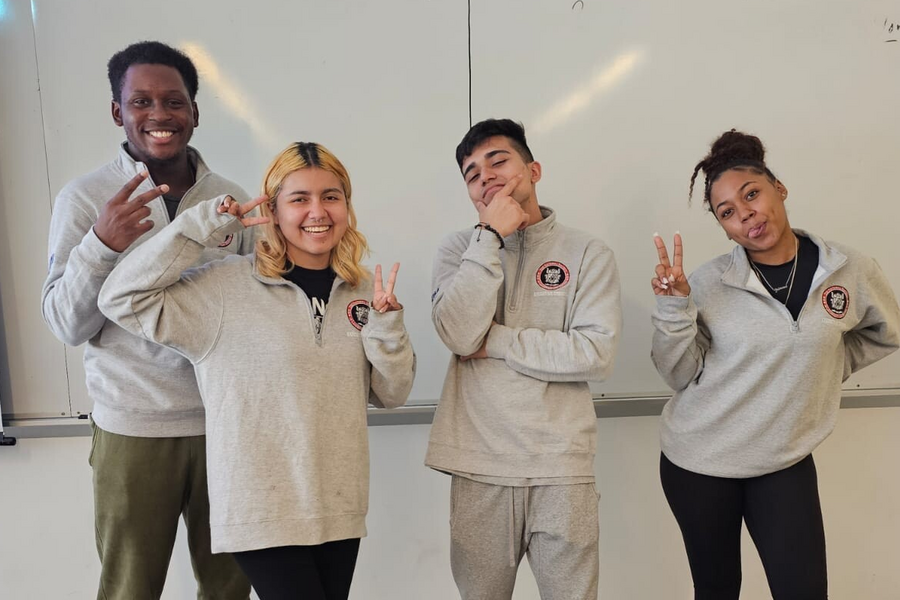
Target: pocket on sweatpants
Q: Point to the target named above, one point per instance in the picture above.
(454, 494)
(94, 430)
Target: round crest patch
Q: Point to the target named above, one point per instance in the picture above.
(227, 241)
(836, 301)
(552, 275)
(358, 313)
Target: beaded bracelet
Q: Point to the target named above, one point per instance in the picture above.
(486, 226)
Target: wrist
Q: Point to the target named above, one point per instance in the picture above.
(487, 227)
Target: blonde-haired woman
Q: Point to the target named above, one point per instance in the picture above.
(287, 353)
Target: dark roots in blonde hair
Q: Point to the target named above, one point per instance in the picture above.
(732, 150)
(271, 250)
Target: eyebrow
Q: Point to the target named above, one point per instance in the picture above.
(740, 189)
(490, 154)
(308, 193)
(148, 92)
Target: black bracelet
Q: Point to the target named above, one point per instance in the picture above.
(482, 225)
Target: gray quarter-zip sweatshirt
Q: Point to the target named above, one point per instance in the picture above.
(553, 297)
(286, 430)
(756, 391)
(138, 388)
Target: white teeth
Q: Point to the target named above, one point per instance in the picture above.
(318, 229)
(162, 134)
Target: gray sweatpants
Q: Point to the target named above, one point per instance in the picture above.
(492, 527)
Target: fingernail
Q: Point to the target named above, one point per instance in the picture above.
(655, 234)
(665, 280)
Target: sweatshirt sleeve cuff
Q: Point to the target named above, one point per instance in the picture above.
(381, 323)
(499, 340)
(674, 308)
(100, 256)
(484, 247)
(206, 225)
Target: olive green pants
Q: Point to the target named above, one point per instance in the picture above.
(141, 486)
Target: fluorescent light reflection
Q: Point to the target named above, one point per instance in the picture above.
(582, 97)
(230, 93)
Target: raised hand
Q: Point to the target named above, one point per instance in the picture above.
(503, 213)
(122, 218)
(670, 279)
(385, 300)
(233, 207)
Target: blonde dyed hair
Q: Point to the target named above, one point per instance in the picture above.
(271, 251)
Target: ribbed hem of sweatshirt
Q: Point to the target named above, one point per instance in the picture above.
(243, 537)
(545, 464)
(149, 425)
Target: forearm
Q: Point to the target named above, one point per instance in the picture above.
(677, 350)
(78, 268)
(390, 353)
(465, 294)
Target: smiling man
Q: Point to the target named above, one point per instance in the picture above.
(148, 453)
(531, 311)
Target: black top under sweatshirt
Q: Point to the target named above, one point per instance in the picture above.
(316, 283)
(779, 275)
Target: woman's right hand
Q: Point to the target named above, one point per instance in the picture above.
(236, 209)
(670, 279)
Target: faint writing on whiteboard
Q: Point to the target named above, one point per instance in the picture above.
(579, 4)
(892, 29)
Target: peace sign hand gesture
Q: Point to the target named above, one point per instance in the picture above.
(384, 299)
(233, 207)
(124, 219)
(670, 279)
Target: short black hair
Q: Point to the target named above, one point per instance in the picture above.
(489, 128)
(151, 53)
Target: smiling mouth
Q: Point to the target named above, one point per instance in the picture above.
(493, 188)
(161, 135)
(317, 228)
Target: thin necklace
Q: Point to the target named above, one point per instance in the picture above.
(789, 284)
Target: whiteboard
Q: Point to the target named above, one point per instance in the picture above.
(620, 99)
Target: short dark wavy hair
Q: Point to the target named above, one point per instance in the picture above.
(151, 53)
(489, 128)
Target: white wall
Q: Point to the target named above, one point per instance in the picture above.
(47, 548)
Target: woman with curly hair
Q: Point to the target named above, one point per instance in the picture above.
(756, 344)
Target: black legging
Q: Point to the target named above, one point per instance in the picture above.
(784, 519)
(321, 572)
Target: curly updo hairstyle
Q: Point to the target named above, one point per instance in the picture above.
(732, 150)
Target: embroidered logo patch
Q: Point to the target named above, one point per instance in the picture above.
(552, 275)
(358, 313)
(836, 301)
(227, 241)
